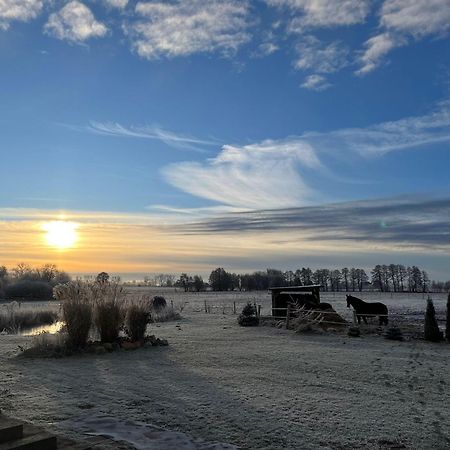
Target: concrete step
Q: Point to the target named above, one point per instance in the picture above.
(10, 429)
(39, 441)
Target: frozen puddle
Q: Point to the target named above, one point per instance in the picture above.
(140, 435)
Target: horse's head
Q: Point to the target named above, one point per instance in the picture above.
(348, 301)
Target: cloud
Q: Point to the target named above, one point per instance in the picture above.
(119, 4)
(189, 26)
(262, 175)
(18, 10)
(312, 54)
(276, 173)
(75, 22)
(385, 137)
(316, 83)
(150, 132)
(406, 222)
(323, 13)
(401, 21)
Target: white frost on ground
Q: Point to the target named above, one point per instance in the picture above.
(255, 388)
(142, 436)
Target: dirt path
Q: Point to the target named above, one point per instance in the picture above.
(258, 388)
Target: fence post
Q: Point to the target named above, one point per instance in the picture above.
(206, 309)
(288, 312)
(234, 307)
(259, 311)
(171, 303)
(355, 318)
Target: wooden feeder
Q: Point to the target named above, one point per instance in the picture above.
(282, 296)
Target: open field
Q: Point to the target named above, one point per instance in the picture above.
(256, 388)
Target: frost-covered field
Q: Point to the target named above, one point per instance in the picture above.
(256, 388)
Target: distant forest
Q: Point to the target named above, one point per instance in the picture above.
(383, 278)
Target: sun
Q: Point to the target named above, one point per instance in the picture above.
(60, 234)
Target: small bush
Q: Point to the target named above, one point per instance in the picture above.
(432, 332)
(165, 315)
(76, 299)
(394, 334)
(109, 311)
(248, 316)
(137, 318)
(158, 303)
(28, 289)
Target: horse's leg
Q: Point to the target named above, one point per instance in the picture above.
(365, 320)
(359, 319)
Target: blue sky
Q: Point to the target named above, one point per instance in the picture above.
(183, 111)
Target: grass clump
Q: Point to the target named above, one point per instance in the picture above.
(109, 310)
(138, 316)
(77, 300)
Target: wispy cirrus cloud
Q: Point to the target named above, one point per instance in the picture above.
(18, 10)
(403, 221)
(402, 21)
(274, 173)
(254, 176)
(75, 23)
(313, 54)
(323, 13)
(185, 27)
(155, 132)
(385, 137)
(315, 83)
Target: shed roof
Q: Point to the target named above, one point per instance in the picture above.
(296, 288)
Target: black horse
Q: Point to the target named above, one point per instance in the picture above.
(364, 309)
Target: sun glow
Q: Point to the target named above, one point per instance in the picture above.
(60, 234)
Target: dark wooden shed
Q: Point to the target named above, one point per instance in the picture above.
(303, 295)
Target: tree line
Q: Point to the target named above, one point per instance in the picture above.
(24, 281)
(383, 277)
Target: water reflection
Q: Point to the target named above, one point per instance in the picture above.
(51, 329)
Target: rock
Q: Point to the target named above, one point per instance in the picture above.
(99, 350)
(108, 346)
(130, 345)
(164, 342)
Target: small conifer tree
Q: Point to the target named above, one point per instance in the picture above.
(432, 332)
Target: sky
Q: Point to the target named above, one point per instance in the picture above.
(189, 134)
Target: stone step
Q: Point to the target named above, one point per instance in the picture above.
(39, 441)
(10, 429)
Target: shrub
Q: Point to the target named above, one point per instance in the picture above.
(76, 299)
(38, 290)
(165, 315)
(394, 334)
(137, 317)
(432, 332)
(109, 310)
(158, 303)
(248, 316)
(447, 325)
